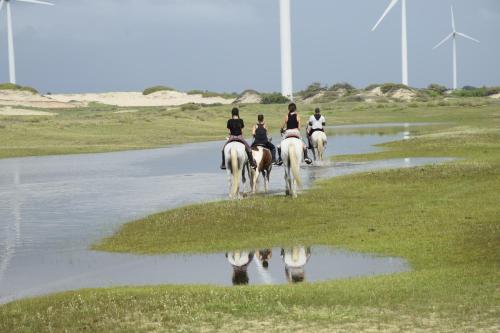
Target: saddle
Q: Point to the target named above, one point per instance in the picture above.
(292, 136)
(235, 139)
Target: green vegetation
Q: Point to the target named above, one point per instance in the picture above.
(152, 90)
(443, 219)
(274, 98)
(312, 90)
(207, 94)
(342, 86)
(102, 128)
(11, 86)
(435, 90)
(476, 92)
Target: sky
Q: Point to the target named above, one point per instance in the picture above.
(233, 45)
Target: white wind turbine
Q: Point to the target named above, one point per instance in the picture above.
(12, 58)
(286, 49)
(404, 33)
(454, 35)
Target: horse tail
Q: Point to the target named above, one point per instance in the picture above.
(234, 171)
(294, 164)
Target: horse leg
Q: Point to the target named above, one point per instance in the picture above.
(254, 182)
(287, 183)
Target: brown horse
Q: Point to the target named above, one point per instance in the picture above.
(264, 160)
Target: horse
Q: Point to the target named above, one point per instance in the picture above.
(263, 158)
(292, 155)
(318, 141)
(236, 160)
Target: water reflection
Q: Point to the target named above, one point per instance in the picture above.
(295, 259)
(13, 230)
(240, 260)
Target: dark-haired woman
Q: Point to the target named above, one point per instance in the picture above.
(235, 126)
(260, 137)
(291, 128)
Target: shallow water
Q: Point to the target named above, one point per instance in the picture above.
(52, 209)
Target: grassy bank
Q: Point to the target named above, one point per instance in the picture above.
(101, 128)
(445, 220)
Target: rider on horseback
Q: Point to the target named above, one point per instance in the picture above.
(317, 122)
(291, 128)
(261, 138)
(235, 125)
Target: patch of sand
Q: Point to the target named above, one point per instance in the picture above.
(249, 97)
(8, 111)
(496, 96)
(28, 99)
(136, 99)
(404, 94)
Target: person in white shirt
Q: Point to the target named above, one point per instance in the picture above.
(317, 122)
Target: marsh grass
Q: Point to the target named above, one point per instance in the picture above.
(443, 219)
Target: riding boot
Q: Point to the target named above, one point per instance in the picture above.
(306, 158)
(310, 142)
(223, 165)
(253, 163)
(273, 155)
(280, 161)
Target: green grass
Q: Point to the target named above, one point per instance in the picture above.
(11, 86)
(152, 90)
(207, 94)
(101, 128)
(444, 219)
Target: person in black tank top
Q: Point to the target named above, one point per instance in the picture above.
(235, 125)
(292, 123)
(261, 138)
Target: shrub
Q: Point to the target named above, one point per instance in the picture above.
(437, 89)
(207, 94)
(190, 107)
(151, 90)
(12, 86)
(476, 92)
(342, 85)
(312, 90)
(392, 87)
(351, 99)
(274, 98)
(372, 86)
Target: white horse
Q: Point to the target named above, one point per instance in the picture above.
(319, 141)
(236, 161)
(264, 160)
(292, 154)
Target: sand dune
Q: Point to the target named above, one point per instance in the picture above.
(28, 99)
(136, 99)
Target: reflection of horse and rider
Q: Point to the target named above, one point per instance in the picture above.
(294, 259)
(258, 158)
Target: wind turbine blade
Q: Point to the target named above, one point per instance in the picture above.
(468, 37)
(389, 8)
(443, 41)
(1, 4)
(38, 2)
(453, 20)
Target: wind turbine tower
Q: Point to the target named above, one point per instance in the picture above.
(286, 49)
(454, 35)
(404, 35)
(10, 35)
